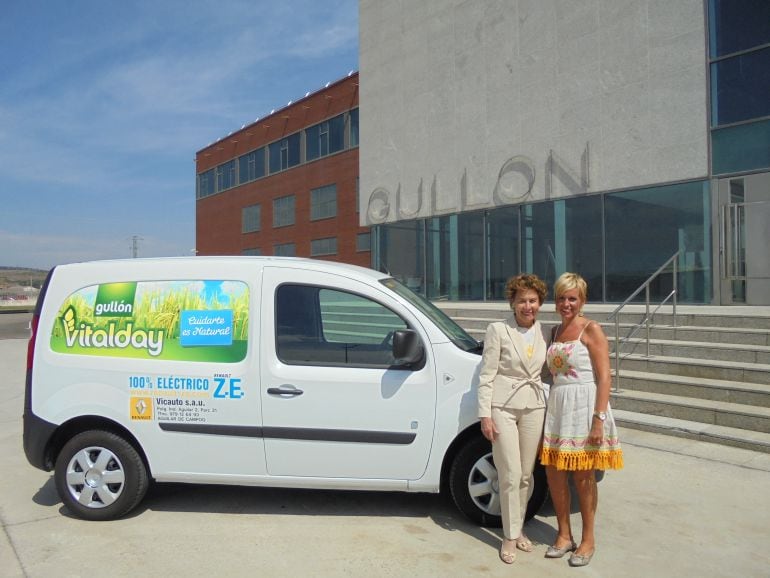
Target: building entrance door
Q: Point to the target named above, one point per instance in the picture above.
(744, 240)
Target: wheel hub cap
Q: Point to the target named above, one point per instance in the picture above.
(93, 478)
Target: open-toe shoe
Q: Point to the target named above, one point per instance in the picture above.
(507, 556)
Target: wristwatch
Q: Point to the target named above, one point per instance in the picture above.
(601, 415)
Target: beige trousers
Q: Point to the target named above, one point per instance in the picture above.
(514, 451)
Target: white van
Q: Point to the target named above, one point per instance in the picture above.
(259, 371)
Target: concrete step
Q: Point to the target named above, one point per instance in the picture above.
(751, 394)
(735, 437)
(721, 413)
(703, 316)
(706, 368)
(738, 335)
(697, 350)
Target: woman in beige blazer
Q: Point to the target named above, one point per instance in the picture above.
(512, 403)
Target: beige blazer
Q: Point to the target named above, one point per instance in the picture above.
(508, 378)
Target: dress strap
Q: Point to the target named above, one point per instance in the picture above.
(579, 337)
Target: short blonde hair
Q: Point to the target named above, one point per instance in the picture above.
(525, 282)
(567, 282)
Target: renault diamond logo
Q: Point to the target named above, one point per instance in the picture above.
(141, 408)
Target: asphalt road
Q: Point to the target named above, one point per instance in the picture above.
(679, 508)
(14, 325)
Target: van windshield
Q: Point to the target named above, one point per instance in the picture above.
(452, 330)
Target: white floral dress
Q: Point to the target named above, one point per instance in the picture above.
(569, 414)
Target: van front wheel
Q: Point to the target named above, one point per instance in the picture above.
(100, 476)
(474, 486)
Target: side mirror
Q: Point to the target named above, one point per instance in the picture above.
(407, 348)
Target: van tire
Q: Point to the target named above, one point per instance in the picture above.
(100, 476)
(473, 464)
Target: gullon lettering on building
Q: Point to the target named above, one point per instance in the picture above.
(86, 336)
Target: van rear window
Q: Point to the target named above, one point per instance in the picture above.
(196, 320)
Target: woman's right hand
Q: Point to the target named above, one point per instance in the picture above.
(488, 429)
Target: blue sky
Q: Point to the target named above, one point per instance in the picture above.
(103, 106)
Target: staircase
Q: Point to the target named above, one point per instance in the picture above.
(707, 379)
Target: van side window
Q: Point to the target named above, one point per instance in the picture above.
(319, 326)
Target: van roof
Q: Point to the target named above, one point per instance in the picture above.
(293, 262)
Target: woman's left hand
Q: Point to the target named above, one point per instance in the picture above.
(596, 434)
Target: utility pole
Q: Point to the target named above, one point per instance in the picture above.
(135, 245)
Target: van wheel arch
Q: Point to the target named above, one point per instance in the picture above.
(100, 476)
(70, 429)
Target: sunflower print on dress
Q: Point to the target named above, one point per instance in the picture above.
(558, 359)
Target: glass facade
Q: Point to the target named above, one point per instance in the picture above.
(564, 235)
(741, 87)
(502, 249)
(399, 250)
(645, 227)
(737, 25)
(741, 148)
(614, 240)
(739, 56)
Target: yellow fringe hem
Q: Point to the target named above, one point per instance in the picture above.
(582, 460)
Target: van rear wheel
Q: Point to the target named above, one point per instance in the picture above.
(100, 476)
(474, 487)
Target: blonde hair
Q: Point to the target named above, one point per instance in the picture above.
(567, 282)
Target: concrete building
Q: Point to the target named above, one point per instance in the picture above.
(286, 184)
(597, 136)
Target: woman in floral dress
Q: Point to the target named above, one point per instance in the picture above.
(580, 434)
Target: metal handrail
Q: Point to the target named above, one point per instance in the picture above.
(647, 318)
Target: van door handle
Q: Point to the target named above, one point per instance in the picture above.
(284, 391)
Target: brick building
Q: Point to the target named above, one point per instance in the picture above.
(286, 184)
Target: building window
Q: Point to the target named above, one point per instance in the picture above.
(251, 218)
(253, 252)
(251, 166)
(225, 174)
(283, 211)
(354, 127)
(284, 250)
(326, 246)
(363, 241)
(742, 147)
(206, 184)
(737, 25)
(325, 138)
(284, 153)
(741, 85)
(323, 202)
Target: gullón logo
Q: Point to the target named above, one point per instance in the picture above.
(115, 300)
(84, 335)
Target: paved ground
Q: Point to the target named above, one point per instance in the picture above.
(680, 508)
(14, 325)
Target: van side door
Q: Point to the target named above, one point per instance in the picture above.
(335, 403)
